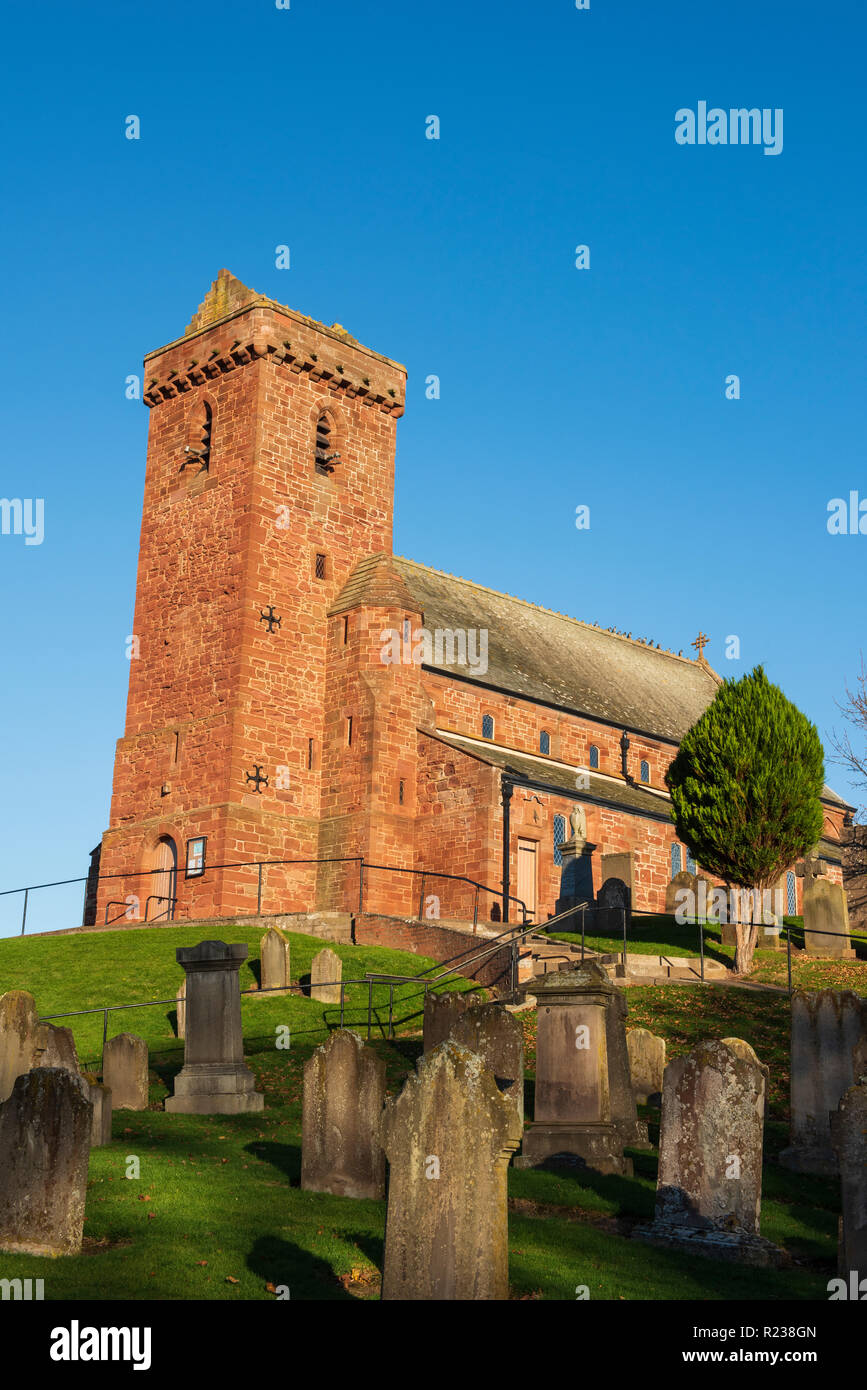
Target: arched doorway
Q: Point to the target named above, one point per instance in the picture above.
(163, 884)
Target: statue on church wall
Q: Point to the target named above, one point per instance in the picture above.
(578, 822)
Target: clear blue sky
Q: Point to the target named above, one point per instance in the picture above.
(306, 127)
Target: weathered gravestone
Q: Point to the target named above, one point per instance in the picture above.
(344, 1092)
(125, 1071)
(709, 1186)
(274, 961)
(826, 1026)
(441, 1013)
(743, 1049)
(100, 1099)
(45, 1129)
(25, 1043)
(182, 1010)
(448, 1137)
(498, 1038)
(326, 973)
(215, 1080)
(675, 900)
(826, 919)
(646, 1064)
(849, 1139)
(584, 1104)
(612, 908)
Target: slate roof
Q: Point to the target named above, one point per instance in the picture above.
(546, 656)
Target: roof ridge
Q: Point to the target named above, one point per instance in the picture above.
(699, 663)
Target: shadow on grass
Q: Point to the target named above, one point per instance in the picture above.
(285, 1265)
(286, 1158)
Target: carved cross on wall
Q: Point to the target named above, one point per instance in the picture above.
(257, 778)
(700, 643)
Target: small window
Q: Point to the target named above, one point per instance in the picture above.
(645, 771)
(325, 455)
(545, 742)
(791, 895)
(676, 860)
(400, 787)
(345, 631)
(690, 862)
(559, 837)
(594, 755)
(487, 726)
(309, 755)
(349, 730)
(320, 566)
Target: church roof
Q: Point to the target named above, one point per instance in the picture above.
(546, 656)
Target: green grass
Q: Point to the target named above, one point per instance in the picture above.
(217, 1212)
(656, 934)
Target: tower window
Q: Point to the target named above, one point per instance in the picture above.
(345, 631)
(594, 755)
(309, 754)
(645, 771)
(205, 445)
(487, 726)
(676, 860)
(559, 837)
(320, 566)
(400, 789)
(544, 742)
(325, 454)
(349, 730)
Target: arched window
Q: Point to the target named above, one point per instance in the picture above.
(559, 837)
(325, 454)
(645, 771)
(544, 742)
(594, 755)
(487, 726)
(676, 860)
(791, 895)
(690, 862)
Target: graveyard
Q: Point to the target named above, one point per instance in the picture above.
(189, 1206)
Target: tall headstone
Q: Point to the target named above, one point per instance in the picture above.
(125, 1071)
(849, 1139)
(584, 1104)
(441, 1013)
(826, 919)
(620, 864)
(274, 960)
(681, 883)
(344, 1092)
(215, 1079)
(45, 1127)
(326, 973)
(182, 1009)
(25, 1043)
(709, 1185)
(826, 1026)
(100, 1099)
(646, 1064)
(498, 1038)
(448, 1137)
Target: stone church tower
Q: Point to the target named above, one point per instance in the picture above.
(270, 475)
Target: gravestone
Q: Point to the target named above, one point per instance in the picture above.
(743, 1049)
(182, 1009)
(100, 1099)
(681, 881)
(584, 1104)
(45, 1127)
(826, 1025)
(344, 1092)
(274, 960)
(498, 1038)
(709, 1186)
(125, 1071)
(441, 1013)
(25, 1043)
(326, 973)
(620, 865)
(646, 1065)
(448, 1137)
(215, 1079)
(826, 919)
(849, 1139)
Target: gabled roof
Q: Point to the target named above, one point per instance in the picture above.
(542, 655)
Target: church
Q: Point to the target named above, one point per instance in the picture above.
(316, 723)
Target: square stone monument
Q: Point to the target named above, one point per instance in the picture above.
(215, 1079)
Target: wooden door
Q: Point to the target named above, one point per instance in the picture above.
(527, 877)
(162, 886)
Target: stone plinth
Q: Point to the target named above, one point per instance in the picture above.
(576, 874)
(45, 1127)
(215, 1079)
(344, 1092)
(448, 1137)
(826, 1026)
(709, 1186)
(584, 1106)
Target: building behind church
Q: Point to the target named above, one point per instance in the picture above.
(299, 693)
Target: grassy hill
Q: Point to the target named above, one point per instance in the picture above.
(217, 1211)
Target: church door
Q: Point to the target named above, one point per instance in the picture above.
(162, 885)
(527, 876)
